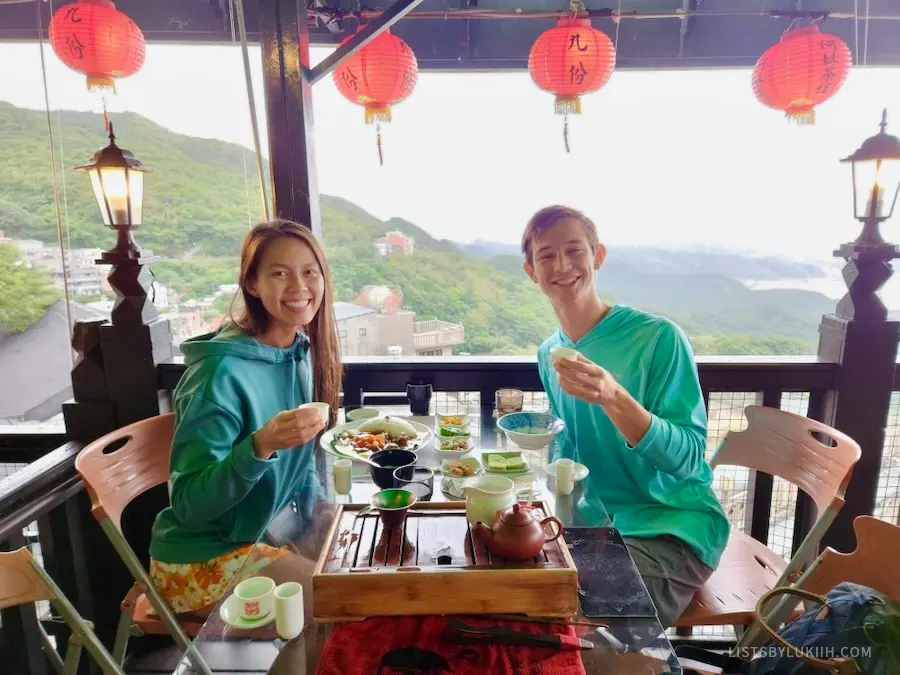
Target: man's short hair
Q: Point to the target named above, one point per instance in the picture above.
(549, 216)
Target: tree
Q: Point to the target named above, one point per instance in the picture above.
(25, 294)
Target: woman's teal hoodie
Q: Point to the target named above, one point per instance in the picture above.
(221, 495)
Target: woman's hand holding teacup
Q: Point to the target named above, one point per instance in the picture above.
(288, 429)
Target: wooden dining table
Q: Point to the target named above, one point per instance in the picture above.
(615, 613)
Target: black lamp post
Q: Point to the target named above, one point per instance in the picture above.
(875, 169)
(117, 177)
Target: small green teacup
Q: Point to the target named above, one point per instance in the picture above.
(392, 505)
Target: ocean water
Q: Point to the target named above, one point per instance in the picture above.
(834, 286)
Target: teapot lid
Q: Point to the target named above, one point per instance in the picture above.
(519, 515)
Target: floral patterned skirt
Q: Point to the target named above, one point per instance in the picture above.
(189, 587)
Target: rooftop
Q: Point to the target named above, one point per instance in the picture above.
(38, 361)
(347, 310)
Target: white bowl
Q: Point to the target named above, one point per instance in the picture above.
(361, 414)
(463, 417)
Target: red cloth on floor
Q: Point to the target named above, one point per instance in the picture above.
(421, 644)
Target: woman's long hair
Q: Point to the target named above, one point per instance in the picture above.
(322, 330)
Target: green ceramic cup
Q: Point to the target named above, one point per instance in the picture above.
(392, 505)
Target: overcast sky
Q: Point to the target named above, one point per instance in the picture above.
(681, 158)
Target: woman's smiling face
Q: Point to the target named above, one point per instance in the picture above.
(289, 283)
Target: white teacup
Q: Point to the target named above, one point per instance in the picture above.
(558, 353)
(289, 615)
(257, 597)
(323, 409)
(343, 476)
(565, 476)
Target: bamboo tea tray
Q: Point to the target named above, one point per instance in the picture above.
(366, 570)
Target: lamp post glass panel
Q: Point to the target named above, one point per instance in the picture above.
(875, 168)
(117, 177)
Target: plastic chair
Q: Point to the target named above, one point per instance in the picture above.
(23, 580)
(114, 478)
(781, 444)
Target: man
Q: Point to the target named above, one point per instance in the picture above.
(634, 415)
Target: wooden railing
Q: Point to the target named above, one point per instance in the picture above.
(437, 334)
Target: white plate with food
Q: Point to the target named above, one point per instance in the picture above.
(458, 445)
(363, 438)
(455, 472)
(461, 468)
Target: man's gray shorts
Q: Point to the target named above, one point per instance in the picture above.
(671, 572)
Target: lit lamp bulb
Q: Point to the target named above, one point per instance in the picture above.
(876, 195)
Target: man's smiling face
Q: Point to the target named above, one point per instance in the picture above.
(563, 262)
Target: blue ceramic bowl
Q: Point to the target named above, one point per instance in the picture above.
(530, 430)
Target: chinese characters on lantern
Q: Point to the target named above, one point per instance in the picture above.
(577, 73)
(829, 47)
(575, 43)
(350, 80)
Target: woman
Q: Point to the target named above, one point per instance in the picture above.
(242, 449)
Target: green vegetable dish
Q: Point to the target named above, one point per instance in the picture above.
(453, 432)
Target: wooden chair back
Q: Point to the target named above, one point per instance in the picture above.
(783, 444)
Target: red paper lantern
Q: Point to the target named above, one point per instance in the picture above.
(381, 74)
(571, 60)
(806, 68)
(94, 38)
(378, 76)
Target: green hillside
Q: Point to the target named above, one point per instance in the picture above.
(196, 197)
(196, 214)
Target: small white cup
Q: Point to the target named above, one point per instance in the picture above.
(289, 615)
(558, 353)
(257, 597)
(323, 409)
(343, 476)
(565, 476)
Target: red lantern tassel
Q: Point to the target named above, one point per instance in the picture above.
(566, 132)
(105, 116)
(380, 154)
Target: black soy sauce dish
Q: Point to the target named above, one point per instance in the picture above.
(390, 461)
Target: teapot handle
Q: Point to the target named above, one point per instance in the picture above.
(559, 527)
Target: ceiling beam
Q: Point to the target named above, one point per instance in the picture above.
(712, 40)
(372, 30)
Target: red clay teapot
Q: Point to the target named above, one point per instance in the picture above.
(517, 533)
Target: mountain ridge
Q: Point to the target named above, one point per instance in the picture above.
(203, 196)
